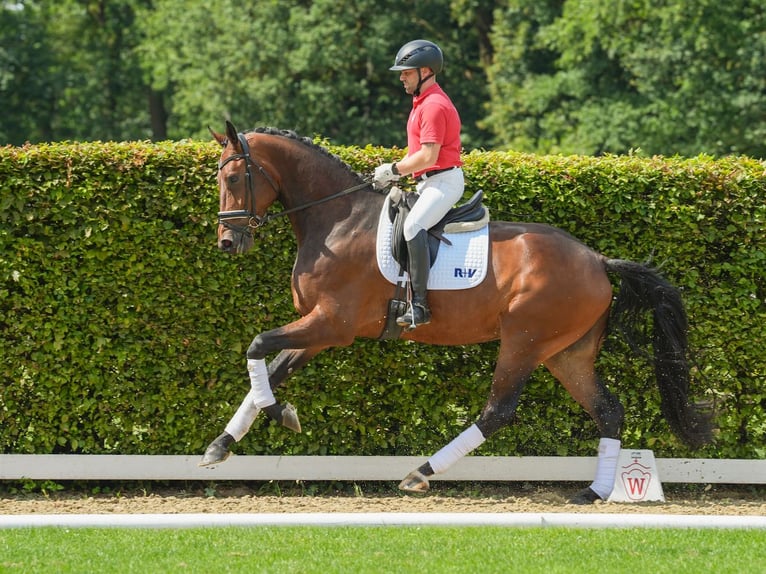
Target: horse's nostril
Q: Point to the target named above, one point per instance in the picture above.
(225, 245)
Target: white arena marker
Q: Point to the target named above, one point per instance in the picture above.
(636, 478)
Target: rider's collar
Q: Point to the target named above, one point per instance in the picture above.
(425, 93)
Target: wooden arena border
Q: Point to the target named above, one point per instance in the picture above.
(358, 468)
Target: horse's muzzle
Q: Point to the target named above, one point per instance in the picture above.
(230, 241)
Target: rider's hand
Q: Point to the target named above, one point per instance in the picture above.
(384, 174)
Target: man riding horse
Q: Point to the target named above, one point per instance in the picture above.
(433, 159)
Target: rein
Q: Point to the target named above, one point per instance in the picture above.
(347, 191)
(254, 221)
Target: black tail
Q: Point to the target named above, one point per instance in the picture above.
(643, 289)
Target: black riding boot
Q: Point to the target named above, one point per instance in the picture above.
(419, 267)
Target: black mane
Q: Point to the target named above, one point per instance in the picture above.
(307, 142)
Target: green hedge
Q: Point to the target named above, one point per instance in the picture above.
(123, 329)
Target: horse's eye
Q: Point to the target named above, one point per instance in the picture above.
(232, 179)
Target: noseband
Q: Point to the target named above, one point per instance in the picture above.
(253, 219)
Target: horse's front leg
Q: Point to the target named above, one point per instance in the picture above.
(278, 370)
(297, 343)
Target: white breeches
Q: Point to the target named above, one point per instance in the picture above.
(437, 195)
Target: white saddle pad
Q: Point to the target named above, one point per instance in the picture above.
(461, 265)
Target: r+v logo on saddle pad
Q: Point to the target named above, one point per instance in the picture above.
(466, 273)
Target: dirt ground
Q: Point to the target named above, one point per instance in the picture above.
(280, 498)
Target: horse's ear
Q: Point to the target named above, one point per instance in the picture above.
(220, 138)
(231, 133)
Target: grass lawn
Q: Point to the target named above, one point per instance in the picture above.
(388, 549)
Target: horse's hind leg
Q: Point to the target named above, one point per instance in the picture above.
(511, 373)
(575, 369)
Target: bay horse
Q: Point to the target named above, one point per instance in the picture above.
(546, 296)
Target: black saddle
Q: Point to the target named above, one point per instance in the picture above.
(471, 211)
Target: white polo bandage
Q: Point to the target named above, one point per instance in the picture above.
(259, 381)
(464, 443)
(606, 467)
(243, 419)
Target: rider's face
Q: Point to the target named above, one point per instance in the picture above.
(409, 79)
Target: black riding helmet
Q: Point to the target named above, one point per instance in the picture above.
(419, 54)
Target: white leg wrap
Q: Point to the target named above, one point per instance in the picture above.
(259, 381)
(464, 443)
(606, 467)
(243, 419)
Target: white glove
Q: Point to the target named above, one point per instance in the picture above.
(384, 175)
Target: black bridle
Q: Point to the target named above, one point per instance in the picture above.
(254, 220)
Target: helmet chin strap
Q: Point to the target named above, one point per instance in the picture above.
(421, 80)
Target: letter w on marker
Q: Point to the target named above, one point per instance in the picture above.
(636, 485)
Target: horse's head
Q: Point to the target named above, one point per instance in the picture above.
(246, 191)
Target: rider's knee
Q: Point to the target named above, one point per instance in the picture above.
(411, 228)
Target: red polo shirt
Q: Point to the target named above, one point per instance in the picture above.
(434, 119)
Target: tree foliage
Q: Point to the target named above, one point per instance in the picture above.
(70, 72)
(317, 67)
(569, 76)
(606, 76)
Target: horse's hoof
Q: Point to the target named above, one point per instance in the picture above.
(218, 451)
(290, 418)
(215, 454)
(585, 496)
(415, 481)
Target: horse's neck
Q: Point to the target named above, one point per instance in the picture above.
(346, 219)
(318, 177)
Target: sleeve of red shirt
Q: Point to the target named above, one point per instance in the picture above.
(433, 125)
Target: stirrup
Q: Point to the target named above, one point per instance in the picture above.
(416, 314)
